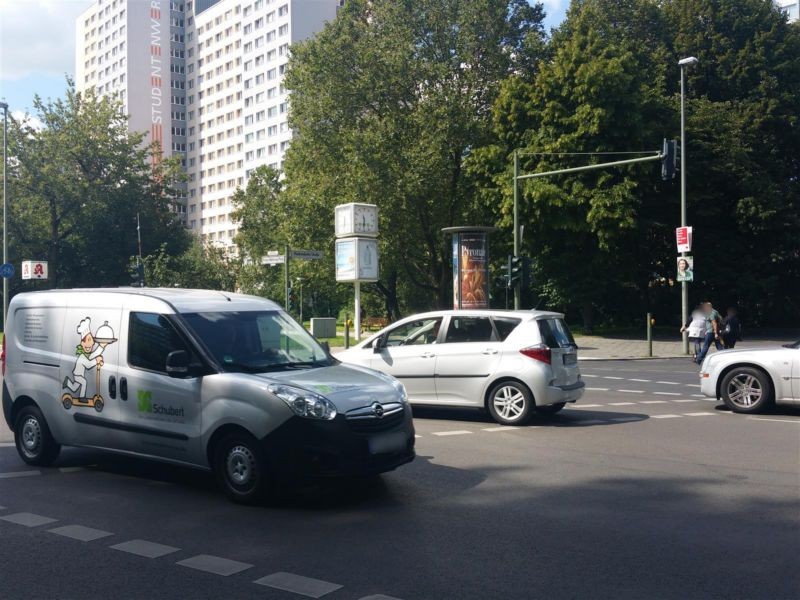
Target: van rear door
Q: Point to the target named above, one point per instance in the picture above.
(563, 349)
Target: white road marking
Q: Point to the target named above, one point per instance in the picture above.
(7, 444)
(503, 428)
(698, 395)
(700, 414)
(653, 402)
(669, 382)
(456, 432)
(665, 417)
(28, 519)
(621, 403)
(684, 400)
(641, 380)
(214, 564)
(80, 533)
(697, 385)
(145, 548)
(19, 474)
(666, 393)
(775, 420)
(588, 389)
(610, 377)
(632, 391)
(586, 406)
(297, 584)
(587, 375)
(417, 436)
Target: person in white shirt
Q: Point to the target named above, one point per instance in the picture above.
(696, 326)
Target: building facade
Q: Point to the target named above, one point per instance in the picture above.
(205, 79)
(791, 8)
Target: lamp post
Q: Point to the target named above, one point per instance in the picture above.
(684, 64)
(4, 106)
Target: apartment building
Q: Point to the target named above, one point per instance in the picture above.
(205, 78)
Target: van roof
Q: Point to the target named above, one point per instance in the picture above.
(183, 300)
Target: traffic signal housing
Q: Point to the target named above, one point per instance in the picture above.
(137, 274)
(519, 272)
(669, 157)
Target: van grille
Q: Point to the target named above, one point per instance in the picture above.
(364, 420)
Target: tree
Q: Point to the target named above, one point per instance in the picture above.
(388, 102)
(77, 185)
(200, 267)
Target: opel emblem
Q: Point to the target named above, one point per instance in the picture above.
(377, 410)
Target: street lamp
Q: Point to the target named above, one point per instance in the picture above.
(684, 64)
(4, 106)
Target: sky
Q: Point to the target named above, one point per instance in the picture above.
(37, 46)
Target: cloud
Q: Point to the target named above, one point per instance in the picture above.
(37, 37)
(22, 117)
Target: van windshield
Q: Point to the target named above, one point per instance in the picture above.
(257, 341)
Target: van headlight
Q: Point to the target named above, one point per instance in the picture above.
(305, 403)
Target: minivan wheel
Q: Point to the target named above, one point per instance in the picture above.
(33, 439)
(550, 409)
(746, 390)
(510, 403)
(240, 468)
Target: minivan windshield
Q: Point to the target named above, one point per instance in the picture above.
(257, 341)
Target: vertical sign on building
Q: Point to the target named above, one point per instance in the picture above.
(158, 73)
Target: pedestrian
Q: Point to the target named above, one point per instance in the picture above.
(696, 327)
(712, 321)
(731, 328)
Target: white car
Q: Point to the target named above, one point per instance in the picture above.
(752, 380)
(512, 363)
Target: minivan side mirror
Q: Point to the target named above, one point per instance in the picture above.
(178, 363)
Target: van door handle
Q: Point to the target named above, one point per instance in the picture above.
(112, 386)
(123, 388)
(490, 351)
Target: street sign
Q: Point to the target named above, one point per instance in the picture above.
(7, 271)
(272, 253)
(683, 237)
(307, 254)
(275, 259)
(34, 269)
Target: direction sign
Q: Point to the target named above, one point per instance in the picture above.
(272, 253)
(275, 259)
(7, 271)
(307, 254)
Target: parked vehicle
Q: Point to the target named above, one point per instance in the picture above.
(512, 363)
(752, 380)
(212, 380)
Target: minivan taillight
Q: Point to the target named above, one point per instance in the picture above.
(3, 355)
(539, 352)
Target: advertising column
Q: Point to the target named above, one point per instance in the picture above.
(470, 266)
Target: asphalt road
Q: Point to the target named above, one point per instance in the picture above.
(643, 490)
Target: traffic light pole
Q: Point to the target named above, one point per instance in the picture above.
(684, 284)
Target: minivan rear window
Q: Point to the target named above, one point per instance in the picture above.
(555, 333)
(504, 326)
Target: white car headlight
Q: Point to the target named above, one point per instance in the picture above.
(304, 403)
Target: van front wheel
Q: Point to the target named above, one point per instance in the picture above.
(35, 443)
(240, 468)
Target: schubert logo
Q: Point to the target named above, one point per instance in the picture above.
(146, 405)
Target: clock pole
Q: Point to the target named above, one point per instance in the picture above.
(357, 333)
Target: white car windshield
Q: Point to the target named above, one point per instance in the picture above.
(257, 341)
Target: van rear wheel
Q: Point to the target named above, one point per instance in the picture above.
(35, 443)
(241, 469)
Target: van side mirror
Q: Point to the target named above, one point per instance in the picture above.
(378, 345)
(178, 363)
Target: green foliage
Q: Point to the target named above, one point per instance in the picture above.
(76, 186)
(199, 268)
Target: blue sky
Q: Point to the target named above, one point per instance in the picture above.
(37, 46)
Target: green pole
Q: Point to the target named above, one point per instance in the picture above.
(684, 285)
(517, 288)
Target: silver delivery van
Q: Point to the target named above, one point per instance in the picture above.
(219, 381)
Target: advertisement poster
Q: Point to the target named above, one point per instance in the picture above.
(683, 238)
(456, 270)
(685, 268)
(346, 260)
(367, 259)
(474, 266)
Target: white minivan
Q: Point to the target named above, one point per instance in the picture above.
(208, 379)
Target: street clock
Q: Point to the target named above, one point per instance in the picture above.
(356, 219)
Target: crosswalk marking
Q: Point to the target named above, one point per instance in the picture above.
(456, 432)
(666, 417)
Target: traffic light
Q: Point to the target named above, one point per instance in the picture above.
(137, 274)
(292, 299)
(514, 271)
(527, 272)
(669, 156)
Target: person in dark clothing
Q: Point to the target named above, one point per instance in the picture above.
(731, 328)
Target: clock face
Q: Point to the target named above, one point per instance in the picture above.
(366, 219)
(343, 220)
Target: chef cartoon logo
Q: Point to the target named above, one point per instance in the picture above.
(89, 355)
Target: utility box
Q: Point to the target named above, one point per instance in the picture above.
(323, 328)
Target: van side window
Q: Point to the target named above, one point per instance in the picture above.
(151, 337)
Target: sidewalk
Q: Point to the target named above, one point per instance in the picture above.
(619, 348)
